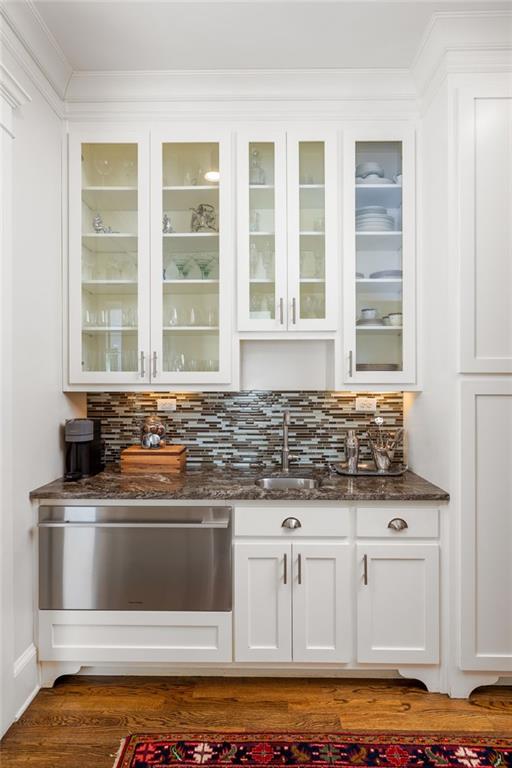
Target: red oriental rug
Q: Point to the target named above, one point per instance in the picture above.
(385, 750)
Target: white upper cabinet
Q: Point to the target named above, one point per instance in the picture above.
(108, 257)
(287, 230)
(379, 257)
(485, 200)
(191, 278)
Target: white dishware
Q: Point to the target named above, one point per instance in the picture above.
(369, 313)
(370, 167)
(395, 318)
(371, 209)
(375, 321)
(386, 320)
(386, 273)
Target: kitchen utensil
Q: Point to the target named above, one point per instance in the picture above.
(352, 450)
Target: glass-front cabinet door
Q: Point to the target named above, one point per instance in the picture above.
(262, 257)
(108, 258)
(313, 222)
(287, 231)
(191, 257)
(379, 279)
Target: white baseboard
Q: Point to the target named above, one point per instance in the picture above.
(26, 679)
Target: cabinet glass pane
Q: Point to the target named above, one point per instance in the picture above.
(379, 277)
(109, 274)
(312, 229)
(262, 268)
(190, 278)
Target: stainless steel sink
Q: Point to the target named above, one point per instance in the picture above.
(287, 483)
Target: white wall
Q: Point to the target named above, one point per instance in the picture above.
(34, 375)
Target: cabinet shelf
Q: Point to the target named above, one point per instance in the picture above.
(110, 198)
(311, 233)
(191, 328)
(379, 328)
(109, 329)
(113, 287)
(110, 243)
(315, 280)
(387, 195)
(186, 281)
(262, 234)
(190, 187)
(177, 235)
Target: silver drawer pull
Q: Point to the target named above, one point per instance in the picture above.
(292, 523)
(397, 524)
(365, 570)
(285, 564)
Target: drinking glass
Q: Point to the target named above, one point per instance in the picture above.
(183, 267)
(205, 264)
(102, 163)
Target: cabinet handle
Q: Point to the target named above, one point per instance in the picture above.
(142, 366)
(350, 364)
(155, 358)
(281, 311)
(300, 569)
(285, 562)
(397, 524)
(365, 570)
(294, 311)
(291, 522)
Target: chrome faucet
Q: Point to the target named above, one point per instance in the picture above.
(285, 453)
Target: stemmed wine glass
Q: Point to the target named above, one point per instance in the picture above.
(102, 162)
(183, 267)
(204, 263)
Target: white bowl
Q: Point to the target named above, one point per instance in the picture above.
(395, 318)
(369, 314)
(365, 169)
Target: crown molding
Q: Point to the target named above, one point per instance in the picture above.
(30, 33)
(461, 41)
(12, 96)
(241, 85)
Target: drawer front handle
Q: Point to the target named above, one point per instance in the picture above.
(285, 564)
(397, 524)
(292, 523)
(365, 570)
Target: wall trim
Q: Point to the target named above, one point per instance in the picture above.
(18, 49)
(451, 40)
(12, 96)
(26, 679)
(24, 659)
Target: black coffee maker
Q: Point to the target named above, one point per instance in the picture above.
(83, 448)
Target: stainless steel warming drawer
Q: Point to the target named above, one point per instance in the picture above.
(135, 558)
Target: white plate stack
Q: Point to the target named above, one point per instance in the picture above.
(374, 218)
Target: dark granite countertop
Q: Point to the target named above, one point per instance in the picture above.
(226, 483)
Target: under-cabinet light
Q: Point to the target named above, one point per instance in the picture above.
(212, 176)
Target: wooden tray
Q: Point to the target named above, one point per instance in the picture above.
(170, 458)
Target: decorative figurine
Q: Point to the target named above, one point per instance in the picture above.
(99, 227)
(167, 227)
(203, 218)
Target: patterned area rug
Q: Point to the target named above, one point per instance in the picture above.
(385, 750)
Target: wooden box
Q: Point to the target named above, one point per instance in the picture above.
(170, 458)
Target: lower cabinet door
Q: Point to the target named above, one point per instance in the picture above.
(322, 626)
(398, 603)
(263, 601)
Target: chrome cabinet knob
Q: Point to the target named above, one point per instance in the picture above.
(291, 522)
(397, 524)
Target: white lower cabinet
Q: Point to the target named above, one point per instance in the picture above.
(398, 603)
(291, 602)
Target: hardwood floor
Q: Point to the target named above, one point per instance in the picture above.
(81, 721)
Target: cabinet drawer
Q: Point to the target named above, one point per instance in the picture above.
(421, 522)
(314, 521)
(160, 636)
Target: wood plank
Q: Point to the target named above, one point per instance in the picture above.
(89, 716)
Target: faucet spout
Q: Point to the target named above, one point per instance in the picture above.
(285, 453)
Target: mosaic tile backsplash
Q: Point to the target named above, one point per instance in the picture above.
(244, 427)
